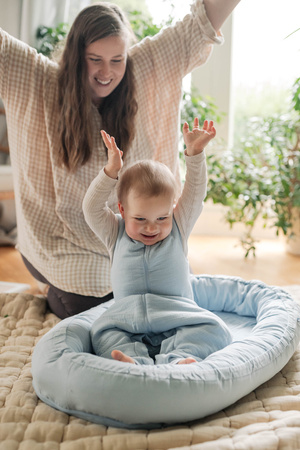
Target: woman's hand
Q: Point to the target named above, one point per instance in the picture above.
(114, 156)
(197, 139)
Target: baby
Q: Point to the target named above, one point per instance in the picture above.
(154, 316)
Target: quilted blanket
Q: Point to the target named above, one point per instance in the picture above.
(268, 418)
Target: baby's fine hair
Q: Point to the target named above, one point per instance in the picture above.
(149, 178)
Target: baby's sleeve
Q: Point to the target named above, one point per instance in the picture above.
(190, 203)
(100, 218)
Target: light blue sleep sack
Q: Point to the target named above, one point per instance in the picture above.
(154, 316)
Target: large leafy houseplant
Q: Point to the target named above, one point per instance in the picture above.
(260, 176)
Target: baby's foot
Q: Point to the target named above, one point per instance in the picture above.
(120, 356)
(188, 360)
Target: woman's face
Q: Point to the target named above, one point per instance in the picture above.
(106, 65)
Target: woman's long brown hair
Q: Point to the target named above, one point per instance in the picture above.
(75, 106)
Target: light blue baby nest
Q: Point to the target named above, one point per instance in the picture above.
(265, 324)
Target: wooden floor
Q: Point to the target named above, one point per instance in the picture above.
(209, 255)
(224, 256)
(12, 269)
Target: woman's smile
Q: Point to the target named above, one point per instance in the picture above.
(102, 82)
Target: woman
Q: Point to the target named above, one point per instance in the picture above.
(54, 116)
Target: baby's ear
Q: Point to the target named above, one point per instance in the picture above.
(121, 209)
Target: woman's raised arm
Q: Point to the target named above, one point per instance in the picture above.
(218, 10)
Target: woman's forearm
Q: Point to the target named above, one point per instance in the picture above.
(218, 10)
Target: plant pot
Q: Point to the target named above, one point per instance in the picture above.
(293, 240)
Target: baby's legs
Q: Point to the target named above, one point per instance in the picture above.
(188, 360)
(193, 341)
(176, 349)
(120, 356)
(120, 345)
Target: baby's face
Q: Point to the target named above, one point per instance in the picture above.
(147, 219)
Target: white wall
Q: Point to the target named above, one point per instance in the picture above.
(215, 79)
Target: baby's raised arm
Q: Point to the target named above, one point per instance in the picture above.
(197, 139)
(114, 156)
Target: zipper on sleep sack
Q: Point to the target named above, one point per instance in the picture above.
(146, 274)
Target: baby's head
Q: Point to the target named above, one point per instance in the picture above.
(146, 195)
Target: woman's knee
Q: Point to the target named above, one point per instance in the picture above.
(65, 304)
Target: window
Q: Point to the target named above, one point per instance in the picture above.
(265, 62)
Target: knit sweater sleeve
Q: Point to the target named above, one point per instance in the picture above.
(190, 203)
(100, 218)
(181, 47)
(21, 71)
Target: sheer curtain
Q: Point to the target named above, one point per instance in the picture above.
(37, 12)
(49, 13)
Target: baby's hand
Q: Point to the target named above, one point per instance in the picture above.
(197, 139)
(114, 156)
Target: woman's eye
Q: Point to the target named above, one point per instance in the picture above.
(113, 61)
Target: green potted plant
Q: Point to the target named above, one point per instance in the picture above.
(260, 176)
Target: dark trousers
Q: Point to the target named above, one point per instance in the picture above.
(65, 304)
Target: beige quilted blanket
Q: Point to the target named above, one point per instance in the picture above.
(268, 418)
